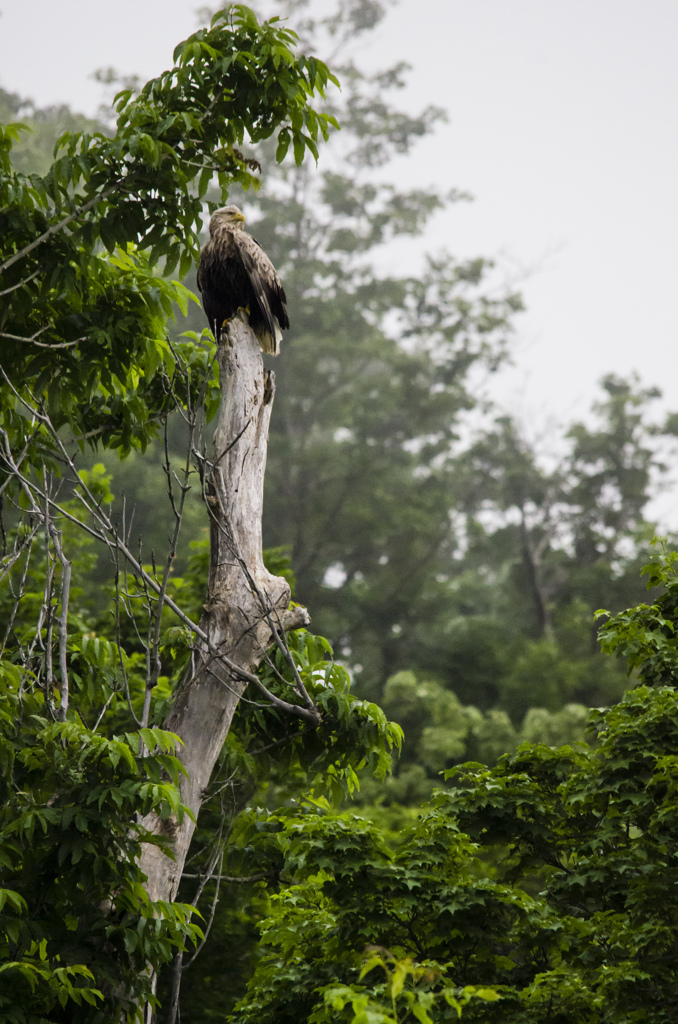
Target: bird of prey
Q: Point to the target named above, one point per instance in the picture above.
(234, 272)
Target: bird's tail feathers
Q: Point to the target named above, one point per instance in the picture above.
(270, 342)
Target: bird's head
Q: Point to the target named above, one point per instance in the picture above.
(227, 216)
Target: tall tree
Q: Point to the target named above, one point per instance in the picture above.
(563, 541)
(86, 358)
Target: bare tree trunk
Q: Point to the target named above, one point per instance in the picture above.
(532, 562)
(246, 607)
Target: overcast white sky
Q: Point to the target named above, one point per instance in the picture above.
(562, 125)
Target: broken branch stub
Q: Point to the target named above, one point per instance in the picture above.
(245, 607)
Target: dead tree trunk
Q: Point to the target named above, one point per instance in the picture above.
(246, 607)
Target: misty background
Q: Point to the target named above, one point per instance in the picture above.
(561, 125)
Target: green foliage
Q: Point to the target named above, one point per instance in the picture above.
(84, 314)
(410, 992)
(71, 791)
(352, 892)
(354, 733)
(440, 732)
(321, 763)
(359, 469)
(77, 928)
(34, 151)
(645, 636)
(548, 879)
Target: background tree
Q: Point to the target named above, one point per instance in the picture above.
(542, 888)
(416, 549)
(377, 374)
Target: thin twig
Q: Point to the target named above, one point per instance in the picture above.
(154, 652)
(125, 681)
(27, 542)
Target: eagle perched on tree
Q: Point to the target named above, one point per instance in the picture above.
(233, 272)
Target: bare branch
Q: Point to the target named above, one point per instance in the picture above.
(47, 601)
(55, 228)
(240, 879)
(56, 536)
(19, 284)
(41, 344)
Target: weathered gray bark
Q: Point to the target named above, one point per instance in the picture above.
(246, 606)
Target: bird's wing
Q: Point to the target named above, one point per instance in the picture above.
(277, 297)
(265, 281)
(268, 270)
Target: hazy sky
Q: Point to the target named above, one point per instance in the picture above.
(562, 125)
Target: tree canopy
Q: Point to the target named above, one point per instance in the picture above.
(83, 320)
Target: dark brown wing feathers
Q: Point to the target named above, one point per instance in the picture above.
(261, 283)
(235, 271)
